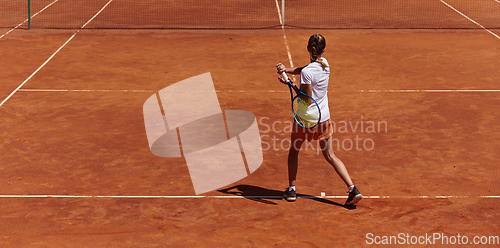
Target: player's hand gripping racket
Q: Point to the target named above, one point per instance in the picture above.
(304, 108)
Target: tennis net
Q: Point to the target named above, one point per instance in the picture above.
(253, 14)
(13, 13)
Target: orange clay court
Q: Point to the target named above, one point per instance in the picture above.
(416, 113)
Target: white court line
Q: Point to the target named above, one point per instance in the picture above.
(267, 91)
(458, 91)
(241, 197)
(52, 56)
(284, 35)
(20, 24)
(62, 90)
(498, 37)
(427, 91)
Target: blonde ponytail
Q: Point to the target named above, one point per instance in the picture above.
(323, 64)
(316, 46)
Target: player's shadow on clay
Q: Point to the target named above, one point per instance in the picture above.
(269, 196)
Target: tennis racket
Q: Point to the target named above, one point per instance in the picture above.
(305, 109)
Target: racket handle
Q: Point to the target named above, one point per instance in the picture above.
(285, 77)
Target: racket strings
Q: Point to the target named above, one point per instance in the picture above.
(306, 113)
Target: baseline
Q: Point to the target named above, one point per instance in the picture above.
(241, 196)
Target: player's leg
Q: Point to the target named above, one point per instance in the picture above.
(293, 159)
(293, 163)
(338, 165)
(327, 149)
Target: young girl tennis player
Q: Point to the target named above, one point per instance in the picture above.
(314, 82)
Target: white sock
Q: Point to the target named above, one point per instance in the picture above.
(291, 188)
(351, 188)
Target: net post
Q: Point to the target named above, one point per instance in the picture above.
(29, 14)
(283, 13)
